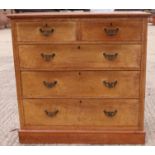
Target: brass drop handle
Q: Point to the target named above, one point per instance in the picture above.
(111, 31)
(47, 56)
(50, 84)
(46, 30)
(52, 113)
(110, 56)
(110, 113)
(110, 84)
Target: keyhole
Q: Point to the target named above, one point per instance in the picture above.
(79, 73)
(80, 101)
(110, 24)
(79, 47)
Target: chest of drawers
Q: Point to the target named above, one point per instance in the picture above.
(80, 77)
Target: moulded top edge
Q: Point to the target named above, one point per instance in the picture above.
(79, 14)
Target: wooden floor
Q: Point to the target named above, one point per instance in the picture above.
(8, 103)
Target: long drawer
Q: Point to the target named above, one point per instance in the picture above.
(112, 30)
(84, 112)
(107, 84)
(80, 56)
(46, 31)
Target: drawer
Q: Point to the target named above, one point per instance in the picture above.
(80, 56)
(107, 84)
(47, 32)
(84, 112)
(112, 30)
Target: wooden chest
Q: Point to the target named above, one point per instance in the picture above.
(80, 77)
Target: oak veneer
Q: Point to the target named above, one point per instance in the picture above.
(129, 30)
(30, 31)
(74, 84)
(81, 137)
(80, 77)
(77, 56)
(81, 112)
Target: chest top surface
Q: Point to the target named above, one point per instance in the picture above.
(79, 14)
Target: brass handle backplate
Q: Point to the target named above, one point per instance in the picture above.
(47, 56)
(51, 114)
(110, 84)
(46, 30)
(50, 84)
(110, 113)
(110, 56)
(111, 31)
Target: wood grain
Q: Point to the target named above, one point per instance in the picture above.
(143, 75)
(81, 84)
(17, 74)
(30, 31)
(81, 112)
(81, 57)
(75, 81)
(95, 30)
(81, 137)
(128, 14)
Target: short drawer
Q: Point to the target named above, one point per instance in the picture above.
(107, 84)
(46, 32)
(84, 112)
(80, 56)
(112, 30)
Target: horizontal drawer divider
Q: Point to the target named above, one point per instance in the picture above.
(79, 42)
(70, 70)
(101, 126)
(79, 98)
(86, 131)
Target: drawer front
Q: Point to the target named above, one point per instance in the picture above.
(107, 84)
(112, 30)
(50, 31)
(80, 56)
(84, 112)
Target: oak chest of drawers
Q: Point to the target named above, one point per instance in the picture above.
(80, 77)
